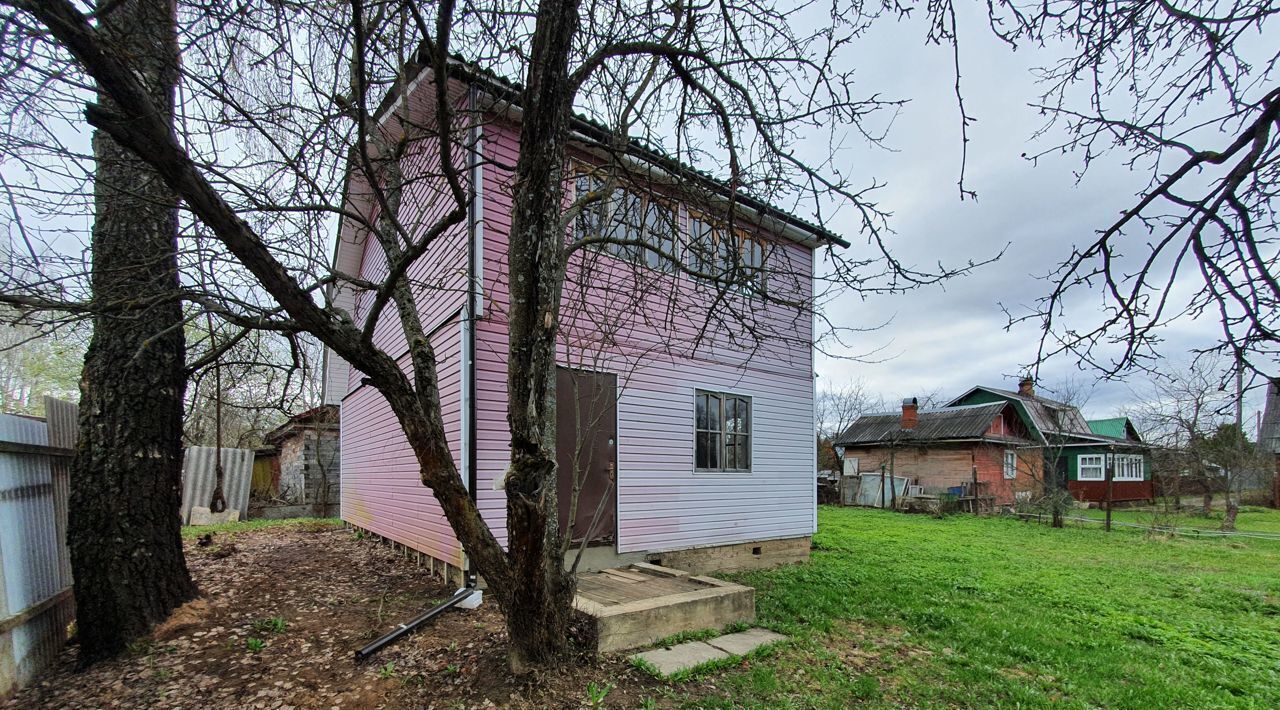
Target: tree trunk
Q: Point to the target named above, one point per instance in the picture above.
(1229, 520)
(1206, 505)
(538, 605)
(123, 531)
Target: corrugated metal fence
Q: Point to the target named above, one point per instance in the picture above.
(199, 476)
(36, 604)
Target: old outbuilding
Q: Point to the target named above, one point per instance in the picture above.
(297, 472)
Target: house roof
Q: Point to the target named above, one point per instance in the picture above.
(1115, 428)
(325, 415)
(509, 92)
(965, 422)
(1048, 416)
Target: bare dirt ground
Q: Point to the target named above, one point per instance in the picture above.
(283, 612)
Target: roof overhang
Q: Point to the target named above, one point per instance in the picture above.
(502, 97)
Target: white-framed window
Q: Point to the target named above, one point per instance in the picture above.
(736, 259)
(1128, 467)
(1090, 467)
(722, 432)
(1010, 464)
(646, 222)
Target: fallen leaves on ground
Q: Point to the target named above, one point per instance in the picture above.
(282, 613)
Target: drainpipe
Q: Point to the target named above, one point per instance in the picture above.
(412, 625)
(472, 311)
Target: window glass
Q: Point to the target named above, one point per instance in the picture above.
(660, 234)
(722, 432)
(702, 248)
(646, 225)
(1128, 467)
(752, 271)
(1011, 464)
(737, 262)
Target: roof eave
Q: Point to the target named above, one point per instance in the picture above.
(502, 95)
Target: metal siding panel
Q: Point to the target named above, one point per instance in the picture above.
(200, 477)
(34, 565)
(382, 489)
(665, 505)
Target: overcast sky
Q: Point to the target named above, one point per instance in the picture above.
(953, 337)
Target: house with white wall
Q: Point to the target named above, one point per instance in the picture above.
(686, 388)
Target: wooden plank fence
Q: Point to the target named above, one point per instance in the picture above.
(36, 603)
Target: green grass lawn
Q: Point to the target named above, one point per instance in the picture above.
(896, 609)
(1251, 519)
(190, 532)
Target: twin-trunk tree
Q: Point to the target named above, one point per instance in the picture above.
(741, 79)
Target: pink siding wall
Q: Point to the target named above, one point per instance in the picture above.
(381, 484)
(662, 503)
(381, 488)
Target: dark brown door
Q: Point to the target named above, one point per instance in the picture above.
(586, 434)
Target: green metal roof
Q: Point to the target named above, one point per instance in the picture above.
(1114, 428)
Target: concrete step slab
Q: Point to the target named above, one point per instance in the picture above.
(681, 657)
(744, 642)
(641, 604)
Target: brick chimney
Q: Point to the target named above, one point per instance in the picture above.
(1027, 387)
(910, 416)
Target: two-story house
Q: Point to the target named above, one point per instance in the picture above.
(686, 392)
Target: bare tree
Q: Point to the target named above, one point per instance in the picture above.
(252, 385)
(1052, 495)
(1186, 93)
(835, 409)
(729, 84)
(1181, 414)
(35, 363)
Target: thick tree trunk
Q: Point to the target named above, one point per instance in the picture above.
(123, 532)
(538, 604)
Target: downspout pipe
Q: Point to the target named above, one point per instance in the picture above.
(412, 625)
(472, 310)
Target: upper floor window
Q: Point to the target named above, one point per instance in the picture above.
(640, 229)
(734, 258)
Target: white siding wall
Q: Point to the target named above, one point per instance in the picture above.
(664, 504)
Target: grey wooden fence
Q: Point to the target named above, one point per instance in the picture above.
(36, 604)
